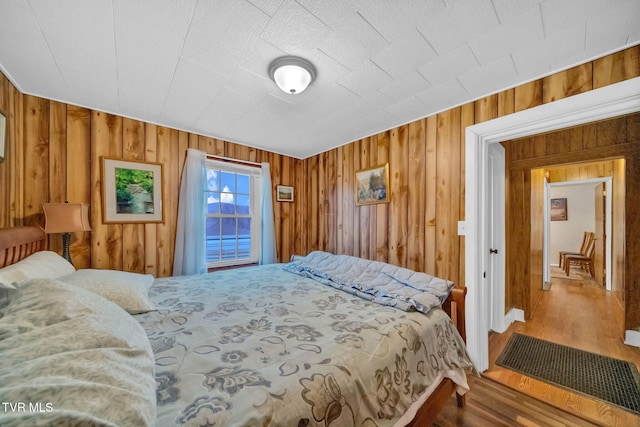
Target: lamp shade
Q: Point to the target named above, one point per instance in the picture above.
(292, 74)
(66, 217)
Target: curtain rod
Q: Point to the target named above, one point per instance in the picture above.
(230, 159)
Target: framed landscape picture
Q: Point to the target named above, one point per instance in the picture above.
(372, 185)
(284, 193)
(559, 209)
(131, 191)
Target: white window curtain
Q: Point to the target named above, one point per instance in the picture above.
(190, 252)
(268, 233)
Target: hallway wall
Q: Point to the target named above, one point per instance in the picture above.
(567, 235)
(573, 154)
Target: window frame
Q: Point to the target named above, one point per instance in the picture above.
(255, 213)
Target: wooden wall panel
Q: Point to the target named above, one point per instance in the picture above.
(443, 183)
(300, 230)
(57, 162)
(6, 99)
(449, 168)
(133, 149)
(325, 214)
(285, 221)
(340, 214)
(36, 163)
(468, 119)
(364, 228)
(55, 151)
(100, 137)
(528, 95)
(354, 224)
(382, 210)
(616, 67)
(151, 230)
(78, 180)
(536, 204)
(399, 195)
(416, 196)
(373, 209)
(331, 200)
(567, 83)
(618, 229)
(431, 175)
(16, 162)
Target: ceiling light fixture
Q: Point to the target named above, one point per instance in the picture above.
(292, 74)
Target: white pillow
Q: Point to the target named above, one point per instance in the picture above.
(129, 290)
(40, 265)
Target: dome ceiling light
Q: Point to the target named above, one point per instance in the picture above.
(292, 74)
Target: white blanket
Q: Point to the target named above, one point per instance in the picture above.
(376, 281)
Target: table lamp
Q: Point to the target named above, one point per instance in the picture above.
(66, 218)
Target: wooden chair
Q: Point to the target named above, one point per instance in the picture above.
(584, 261)
(586, 240)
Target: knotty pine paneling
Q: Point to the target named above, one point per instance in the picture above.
(323, 214)
(77, 187)
(54, 153)
(398, 227)
(398, 195)
(417, 195)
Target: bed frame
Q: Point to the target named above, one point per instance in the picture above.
(18, 243)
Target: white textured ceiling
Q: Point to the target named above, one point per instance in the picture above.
(201, 65)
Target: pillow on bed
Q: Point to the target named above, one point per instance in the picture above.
(40, 265)
(73, 359)
(129, 290)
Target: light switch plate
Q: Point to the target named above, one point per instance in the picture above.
(461, 228)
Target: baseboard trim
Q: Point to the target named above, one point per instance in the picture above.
(514, 315)
(632, 337)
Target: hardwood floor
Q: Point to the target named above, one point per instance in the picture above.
(490, 403)
(575, 311)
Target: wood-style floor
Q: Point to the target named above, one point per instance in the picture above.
(575, 311)
(490, 403)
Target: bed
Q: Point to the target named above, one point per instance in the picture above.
(285, 344)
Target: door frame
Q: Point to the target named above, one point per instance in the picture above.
(598, 104)
(608, 182)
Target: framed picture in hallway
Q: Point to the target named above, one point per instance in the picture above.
(559, 209)
(131, 191)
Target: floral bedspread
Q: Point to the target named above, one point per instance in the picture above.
(262, 346)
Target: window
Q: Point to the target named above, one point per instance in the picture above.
(233, 214)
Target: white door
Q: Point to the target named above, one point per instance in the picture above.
(495, 252)
(546, 252)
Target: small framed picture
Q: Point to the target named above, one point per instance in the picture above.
(372, 185)
(559, 209)
(131, 191)
(284, 193)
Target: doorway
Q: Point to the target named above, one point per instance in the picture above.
(581, 213)
(610, 101)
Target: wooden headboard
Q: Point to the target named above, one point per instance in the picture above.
(17, 243)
